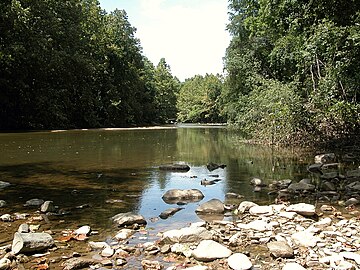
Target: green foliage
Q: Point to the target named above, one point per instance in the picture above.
(308, 47)
(69, 64)
(198, 99)
(167, 88)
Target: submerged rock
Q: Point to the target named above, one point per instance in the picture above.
(125, 219)
(175, 167)
(34, 202)
(77, 263)
(170, 212)
(4, 184)
(174, 196)
(213, 166)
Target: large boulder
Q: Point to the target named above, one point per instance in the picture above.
(127, 219)
(212, 206)
(174, 196)
(209, 250)
(31, 242)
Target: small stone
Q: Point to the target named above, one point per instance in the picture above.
(280, 249)
(107, 252)
(24, 228)
(47, 206)
(84, 230)
(5, 264)
(6, 218)
(129, 218)
(2, 203)
(124, 234)
(239, 261)
(4, 184)
(256, 182)
(98, 245)
(151, 265)
(77, 263)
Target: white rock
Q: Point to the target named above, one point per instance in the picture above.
(304, 209)
(107, 252)
(288, 215)
(239, 261)
(124, 234)
(293, 266)
(323, 222)
(5, 264)
(245, 205)
(5, 217)
(186, 235)
(351, 256)
(209, 250)
(83, 230)
(261, 210)
(305, 238)
(181, 249)
(258, 225)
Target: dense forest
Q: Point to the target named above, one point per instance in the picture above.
(291, 71)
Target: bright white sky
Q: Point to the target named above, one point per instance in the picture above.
(189, 34)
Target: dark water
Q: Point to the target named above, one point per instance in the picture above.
(79, 167)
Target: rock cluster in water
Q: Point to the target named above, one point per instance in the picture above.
(283, 235)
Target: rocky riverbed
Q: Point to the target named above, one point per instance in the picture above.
(237, 234)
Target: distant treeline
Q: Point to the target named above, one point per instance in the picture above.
(291, 71)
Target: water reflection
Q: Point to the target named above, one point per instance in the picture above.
(117, 170)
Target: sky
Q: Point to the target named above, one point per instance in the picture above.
(189, 34)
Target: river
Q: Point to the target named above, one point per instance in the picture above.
(116, 170)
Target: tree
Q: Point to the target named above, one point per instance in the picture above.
(167, 88)
(198, 100)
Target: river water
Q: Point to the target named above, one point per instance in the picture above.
(116, 170)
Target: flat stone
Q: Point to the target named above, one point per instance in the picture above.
(34, 202)
(187, 235)
(175, 167)
(261, 210)
(305, 238)
(77, 263)
(125, 219)
(297, 187)
(293, 266)
(280, 249)
(303, 209)
(209, 250)
(212, 206)
(239, 261)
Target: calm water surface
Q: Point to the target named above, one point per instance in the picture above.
(79, 167)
